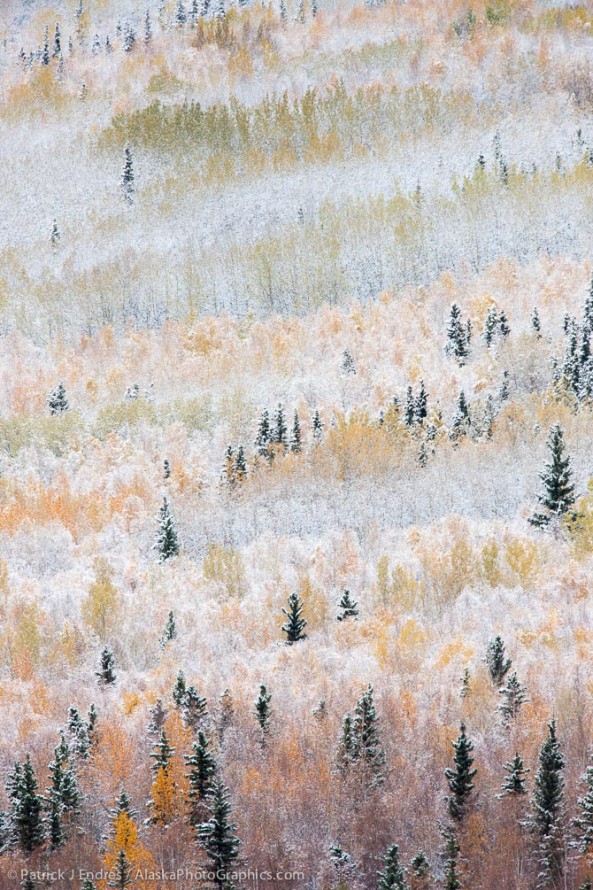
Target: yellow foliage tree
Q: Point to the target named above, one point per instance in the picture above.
(125, 838)
(101, 607)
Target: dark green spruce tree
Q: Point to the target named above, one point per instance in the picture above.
(558, 496)
(263, 713)
(167, 544)
(201, 773)
(393, 876)
(458, 336)
(27, 809)
(128, 178)
(547, 814)
(170, 631)
(516, 774)
(366, 742)
(583, 822)
(460, 777)
(295, 438)
(58, 400)
(348, 607)
(514, 696)
(106, 674)
(496, 660)
(451, 850)
(217, 835)
(295, 623)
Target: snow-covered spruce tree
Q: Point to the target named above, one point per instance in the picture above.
(558, 496)
(170, 631)
(366, 742)
(217, 835)
(179, 690)
(147, 28)
(240, 465)
(588, 309)
(127, 177)
(123, 804)
(194, 709)
(162, 753)
(346, 749)
(503, 325)
(421, 407)
(263, 437)
(167, 543)
(226, 713)
(458, 336)
(263, 713)
(348, 607)
(122, 872)
(419, 872)
(200, 776)
(58, 401)
(295, 438)
(78, 732)
(490, 326)
(516, 774)
(461, 419)
(451, 850)
(129, 40)
(55, 236)
(57, 50)
(343, 863)
(180, 13)
(409, 407)
(465, 684)
(348, 366)
(547, 810)
(583, 822)
(317, 427)
(106, 674)
(460, 777)
(393, 876)
(536, 325)
(26, 820)
(280, 432)
(496, 660)
(295, 623)
(514, 696)
(62, 797)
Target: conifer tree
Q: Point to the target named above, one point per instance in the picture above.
(349, 608)
(128, 178)
(280, 430)
(179, 690)
(263, 712)
(583, 823)
(458, 336)
(460, 778)
(490, 326)
(421, 407)
(295, 439)
(166, 469)
(295, 623)
(167, 543)
(147, 28)
(317, 427)
(162, 753)
(503, 325)
(57, 51)
(58, 401)
(514, 781)
(461, 419)
(451, 856)
(393, 876)
(410, 408)
(45, 51)
(122, 869)
(343, 863)
(419, 871)
(240, 465)
(503, 392)
(201, 772)
(194, 708)
(92, 717)
(55, 236)
(514, 696)
(26, 816)
(122, 805)
(536, 323)
(588, 309)
(263, 438)
(496, 660)
(366, 744)
(78, 731)
(346, 747)
(217, 835)
(348, 365)
(106, 673)
(465, 684)
(226, 712)
(128, 45)
(558, 494)
(547, 815)
(180, 13)
(170, 631)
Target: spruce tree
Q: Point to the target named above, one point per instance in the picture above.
(497, 662)
(194, 709)
(91, 722)
(170, 631)
(410, 408)
(514, 696)
(57, 42)
(78, 731)
(26, 816)
(558, 495)
(55, 236)
(122, 805)
(348, 365)
(179, 690)
(503, 325)
(128, 45)
(514, 781)
(461, 419)
(421, 407)
(226, 713)
(240, 465)
(451, 856)
(503, 392)
(393, 876)
(547, 815)
(128, 178)
(217, 835)
(201, 772)
(161, 753)
(348, 606)
(122, 872)
(166, 469)
(263, 438)
(588, 309)
(180, 13)
(465, 684)
(458, 336)
(583, 823)
(295, 624)
(106, 673)
(167, 543)
(366, 743)
(317, 428)
(147, 28)
(490, 326)
(263, 712)
(536, 323)
(346, 748)
(45, 51)
(460, 778)
(58, 401)
(280, 430)
(295, 439)
(420, 871)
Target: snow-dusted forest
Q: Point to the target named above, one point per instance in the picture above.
(296, 428)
